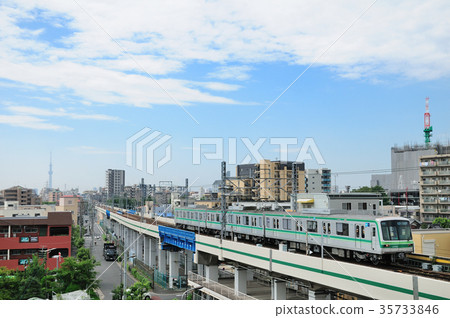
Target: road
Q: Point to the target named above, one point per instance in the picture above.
(109, 272)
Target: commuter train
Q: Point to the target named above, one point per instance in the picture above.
(364, 238)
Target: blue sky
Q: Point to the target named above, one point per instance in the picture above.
(79, 78)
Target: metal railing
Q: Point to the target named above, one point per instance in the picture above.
(223, 290)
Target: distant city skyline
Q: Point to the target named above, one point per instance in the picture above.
(78, 82)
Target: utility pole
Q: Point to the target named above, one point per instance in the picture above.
(187, 192)
(223, 201)
(294, 186)
(91, 215)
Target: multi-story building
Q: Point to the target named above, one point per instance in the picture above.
(402, 184)
(20, 194)
(54, 196)
(318, 180)
(342, 203)
(434, 187)
(115, 182)
(46, 236)
(73, 204)
(13, 209)
(267, 181)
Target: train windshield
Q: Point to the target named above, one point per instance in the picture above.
(396, 230)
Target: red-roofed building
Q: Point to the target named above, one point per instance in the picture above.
(22, 237)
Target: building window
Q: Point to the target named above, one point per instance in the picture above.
(29, 229)
(346, 206)
(59, 231)
(3, 230)
(16, 252)
(362, 206)
(16, 229)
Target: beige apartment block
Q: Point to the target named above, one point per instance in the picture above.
(71, 203)
(434, 173)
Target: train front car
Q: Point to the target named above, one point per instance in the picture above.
(395, 238)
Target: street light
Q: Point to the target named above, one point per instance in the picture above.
(46, 255)
(189, 290)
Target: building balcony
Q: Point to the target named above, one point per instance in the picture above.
(444, 173)
(443, 163)
(444, 182)
(429, 192)
(427, 172)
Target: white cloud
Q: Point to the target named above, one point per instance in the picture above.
(59, 112)
(30, 122)
(238, 73)
(407, 39)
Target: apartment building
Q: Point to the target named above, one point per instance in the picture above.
(318, 180)
(267, 181)
(115, 182)
(20, 194)
(434, 172)
(73, 204)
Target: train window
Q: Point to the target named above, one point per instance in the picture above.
(238, 220)
(267, 222)
(298, 226)
(342, 229)
(329, 228)
(260, 221)
(396, 230)
(311, 226)
(357, 231)
(276, 223)
(287, 224)
(324, 228)
(373, 232)
(246, 220)
(363, 231)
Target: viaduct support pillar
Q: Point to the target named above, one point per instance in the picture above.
(240, 281)
(174, 267)
(278, 290)
(212, 273)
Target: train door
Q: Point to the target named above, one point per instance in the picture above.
(373, 231)
(326, 231)
(358, 236)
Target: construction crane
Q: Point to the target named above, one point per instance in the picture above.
(427, 127)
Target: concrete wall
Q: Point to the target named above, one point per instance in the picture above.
(442, 242)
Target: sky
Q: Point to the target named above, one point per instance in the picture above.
(340, 80)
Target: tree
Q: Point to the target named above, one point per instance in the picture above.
(9, 284)
(443, 222)
(375, 189)
(77, 239)
(31, 279)
(77, 273)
